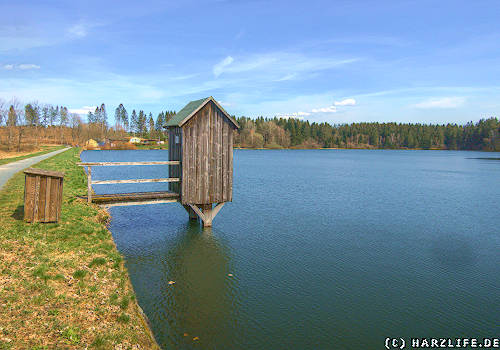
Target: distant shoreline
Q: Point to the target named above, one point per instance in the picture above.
(321, 148)
(370, 149)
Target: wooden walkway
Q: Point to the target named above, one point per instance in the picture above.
(134, 198)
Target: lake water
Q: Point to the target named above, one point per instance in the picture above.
(329, 249)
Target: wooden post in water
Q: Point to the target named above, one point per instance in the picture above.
(207, 211)
(89, 184)
(191, 212)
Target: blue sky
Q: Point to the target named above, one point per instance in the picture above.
(334, 61)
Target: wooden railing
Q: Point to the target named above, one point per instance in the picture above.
(89, 166)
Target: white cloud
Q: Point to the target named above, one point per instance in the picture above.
(23, 66)
(331, 109)
(346, 102)
(83, 111)
(295, 115)
(287, 77)
(220, 67)
(444, 102)
(78, 31)
(82, 29)
(277, 66)
(183, 77)
(28, 66)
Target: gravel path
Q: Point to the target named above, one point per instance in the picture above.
(7, 170)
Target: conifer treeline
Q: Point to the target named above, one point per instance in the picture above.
(42, 120)
(141, 123)
(283, 133)
(24, 126)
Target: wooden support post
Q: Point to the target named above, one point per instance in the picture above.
(191, 212)
(217, 208)
(89, 184)
(206, 213)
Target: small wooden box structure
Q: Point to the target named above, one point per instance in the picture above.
(43, 190)
(201, 138)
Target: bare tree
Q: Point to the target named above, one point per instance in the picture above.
(11, 123)
(45, 116)
(63, 120)
(20, 132)
(3, 113)
(32, 116)
(37, 121)
(19, 108)
(76, 127)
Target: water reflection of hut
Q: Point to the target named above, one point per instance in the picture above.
(201, 303)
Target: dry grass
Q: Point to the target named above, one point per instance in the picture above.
(5, 154)
(9, 157)
(119, 145)
(64, 286)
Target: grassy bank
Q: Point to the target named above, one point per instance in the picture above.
(64, 286)
(43, 150)
(164, 146)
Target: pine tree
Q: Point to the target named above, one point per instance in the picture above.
(160, 121)
(90, 118)
(53, 115)
(118, 117)
(141, 121)
(31, 115)
(134, 122)
(103, 120)
(45, 116)
(151, 124)
(12, 117)
(124, 118)
(97, 115)
(63, 116)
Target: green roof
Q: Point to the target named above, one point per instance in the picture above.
(191, 108)
(185, 112)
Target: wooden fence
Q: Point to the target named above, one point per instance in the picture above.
(89, 166)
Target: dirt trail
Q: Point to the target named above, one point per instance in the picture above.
(7, 170)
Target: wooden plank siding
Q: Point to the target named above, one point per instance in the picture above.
(174, 153)
(42, 198)
(207, 147)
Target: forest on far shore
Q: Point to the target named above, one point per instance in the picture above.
(24, 126)
(293, 133)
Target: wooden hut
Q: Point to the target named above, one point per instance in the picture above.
(201, 138)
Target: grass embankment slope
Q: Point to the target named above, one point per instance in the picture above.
(164, 146)
(64, 286)
(44, 150)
